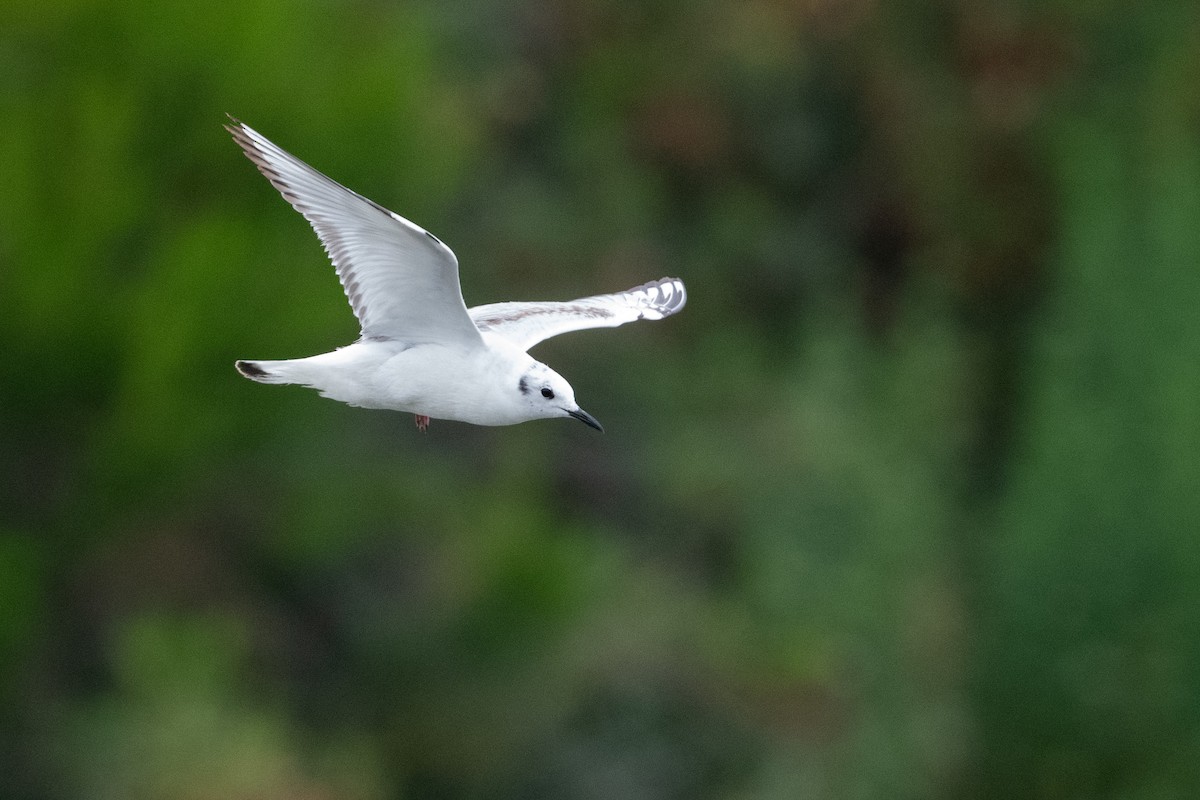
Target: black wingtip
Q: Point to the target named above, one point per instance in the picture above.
(250, 369)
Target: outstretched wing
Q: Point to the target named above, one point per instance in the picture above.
(402, 282)
(526, 324)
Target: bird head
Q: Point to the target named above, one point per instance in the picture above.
(547, 395)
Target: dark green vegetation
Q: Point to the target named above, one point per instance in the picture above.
(904, 505)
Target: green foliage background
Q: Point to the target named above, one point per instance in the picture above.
(904, 505)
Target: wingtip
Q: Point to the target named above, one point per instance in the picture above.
(250, 370)
(672, 295)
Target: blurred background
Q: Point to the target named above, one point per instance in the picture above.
(903, 505)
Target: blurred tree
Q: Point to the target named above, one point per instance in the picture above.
(900, 507)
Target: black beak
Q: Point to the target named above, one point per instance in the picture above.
(586, 419)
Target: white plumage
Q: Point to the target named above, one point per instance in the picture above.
(421, 350)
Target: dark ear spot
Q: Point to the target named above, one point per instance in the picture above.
(523, 385)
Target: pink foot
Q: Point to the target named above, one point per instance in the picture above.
(422, 422)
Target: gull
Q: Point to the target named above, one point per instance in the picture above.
(421, 350)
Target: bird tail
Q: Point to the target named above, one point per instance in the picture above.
(265, 371)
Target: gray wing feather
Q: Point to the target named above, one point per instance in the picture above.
(401, 281)
(526, 324)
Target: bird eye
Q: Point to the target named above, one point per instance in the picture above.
(547, 393)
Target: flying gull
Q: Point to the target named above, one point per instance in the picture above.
(421, 349)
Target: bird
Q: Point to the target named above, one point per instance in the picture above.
(420, 349)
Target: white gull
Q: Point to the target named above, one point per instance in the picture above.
(421, 350)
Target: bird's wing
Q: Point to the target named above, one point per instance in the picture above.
(526, 324)
(402, 282)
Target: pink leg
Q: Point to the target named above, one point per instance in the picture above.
(422, 422)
